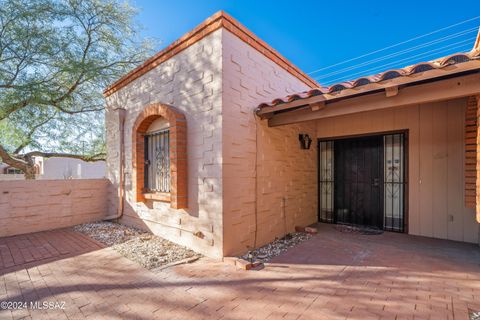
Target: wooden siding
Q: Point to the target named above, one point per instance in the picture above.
(436, 163)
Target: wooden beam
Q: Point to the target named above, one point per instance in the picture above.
(424, 93)
(317, 106)
(391, 91)
(266, 113)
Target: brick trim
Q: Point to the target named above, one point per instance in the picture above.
(215, 22)
(178, 152)
(477, 164)
(471, 128)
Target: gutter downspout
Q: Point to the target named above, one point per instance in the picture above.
(121, 128)
(255, 236)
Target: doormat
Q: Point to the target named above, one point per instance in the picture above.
(358, 229)
(473, 315)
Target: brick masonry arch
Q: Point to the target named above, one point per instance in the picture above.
(178, 154)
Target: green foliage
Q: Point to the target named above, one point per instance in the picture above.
(56, 57)
(10, 135)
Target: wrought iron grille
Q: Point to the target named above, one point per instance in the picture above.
(394, 182)
(157, 161)
(326, 181)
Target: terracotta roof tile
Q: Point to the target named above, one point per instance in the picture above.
(382, 77)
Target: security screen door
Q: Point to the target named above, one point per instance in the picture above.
(361, 181)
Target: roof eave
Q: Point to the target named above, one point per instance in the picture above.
(427, 76)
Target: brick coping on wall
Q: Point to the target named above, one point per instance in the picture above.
(213, 23)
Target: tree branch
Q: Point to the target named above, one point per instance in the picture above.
(88, 158)
(31, 132)
(12, 161)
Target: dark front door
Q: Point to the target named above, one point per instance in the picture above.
(358, 182)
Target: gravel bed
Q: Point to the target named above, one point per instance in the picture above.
(148, 250)
(109, 233)
(277, 247)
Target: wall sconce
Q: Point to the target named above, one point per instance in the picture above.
(305, 141)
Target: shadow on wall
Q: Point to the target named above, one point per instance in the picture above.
(181, 228)
(189, 82)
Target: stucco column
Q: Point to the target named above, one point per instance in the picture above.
(477, 195)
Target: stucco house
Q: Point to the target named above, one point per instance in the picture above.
(219, 143)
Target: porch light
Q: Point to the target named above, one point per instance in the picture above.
(305, 141)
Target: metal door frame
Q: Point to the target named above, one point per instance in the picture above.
(405, 174)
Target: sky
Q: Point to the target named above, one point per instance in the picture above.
(321, 35)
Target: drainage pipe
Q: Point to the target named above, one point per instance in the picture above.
(121, 202)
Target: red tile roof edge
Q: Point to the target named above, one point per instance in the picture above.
(219, 20)
(380, 77)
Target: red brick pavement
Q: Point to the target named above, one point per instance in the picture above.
(23, 251)
(333, 276)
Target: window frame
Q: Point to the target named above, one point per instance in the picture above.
(11, 170)
(178, 196)
(149, 162)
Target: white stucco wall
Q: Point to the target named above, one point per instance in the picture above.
(68, 168)
(191, 82)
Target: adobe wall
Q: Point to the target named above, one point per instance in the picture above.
(275, 189)
(191, 82)
(37, 205)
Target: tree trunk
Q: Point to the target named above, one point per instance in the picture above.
(29, 170)
(29, 173)
(24, 163)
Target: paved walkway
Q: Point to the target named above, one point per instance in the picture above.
(333, 276)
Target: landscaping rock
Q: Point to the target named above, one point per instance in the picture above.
(148, 250)
(277, 247)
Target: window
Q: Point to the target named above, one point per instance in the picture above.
(159, 146)
(14, 171)
(157, 161)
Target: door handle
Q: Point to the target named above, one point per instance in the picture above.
(376, 182)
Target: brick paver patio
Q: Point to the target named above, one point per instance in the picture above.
(333, 276)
